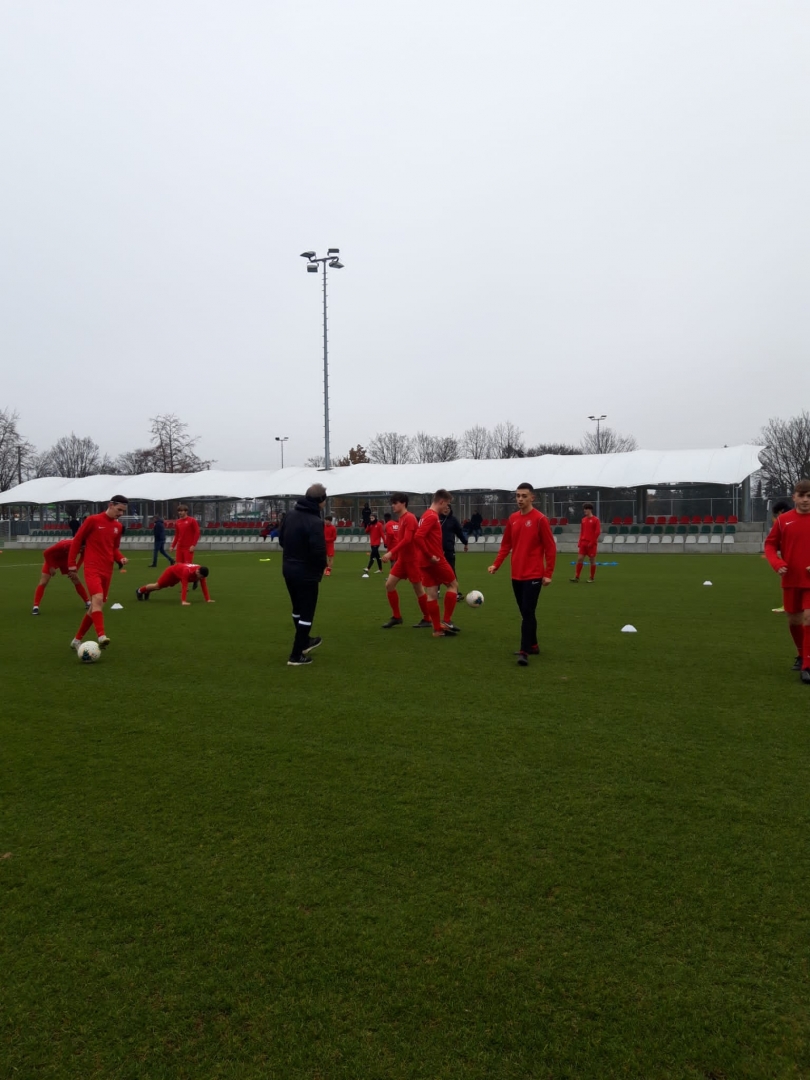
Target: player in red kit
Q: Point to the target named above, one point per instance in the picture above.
(56, 561)
(787, 549)
(589, 532)
(329, 535)
(186, 535)
(402, 553)
(100, 536)
(376, 535)
(183, 573)
(434, 567)
(529, 540)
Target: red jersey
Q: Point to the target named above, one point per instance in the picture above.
(788, 544)
(329, 532)
(57, 554)
(186, 533)
(391, 531)
(590, 530)
(529, 539)
(403, 546)
(376, 533)
(428, 539)
(185, 573)
(100, 536)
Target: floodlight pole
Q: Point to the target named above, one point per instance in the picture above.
(281, 440)
(598, 420)
(332, 258)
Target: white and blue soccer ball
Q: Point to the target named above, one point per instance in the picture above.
(474, 598)
(88, 652)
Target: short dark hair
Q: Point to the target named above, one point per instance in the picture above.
(203, 571)
(328, 517)
(587, 506)
(387, 517)
(526, 487)
(398, 496)
(316, 492)
(781, 506)
(182, 506)
(443, 494)
(801, 487)
(120, 499)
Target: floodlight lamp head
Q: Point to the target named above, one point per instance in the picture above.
(333, 251)
(312, 268)
(307, 254)
(338, 265)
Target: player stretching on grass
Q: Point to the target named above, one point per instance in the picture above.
(787, 549)
(589, 531)
(529, 539)
(434, 567)
(56, 560)
(100, 536)
(186, 535)
(403, 554)
(183, 573)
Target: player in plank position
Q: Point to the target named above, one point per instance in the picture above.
(100, 536)
(529, 539)
(434, 567)
(589, 531)
(183, 573)
(787, 549)
(402, 553)
(56, 561)
(329, 535)
(186, 535)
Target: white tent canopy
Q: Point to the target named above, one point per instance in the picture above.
(641, 468)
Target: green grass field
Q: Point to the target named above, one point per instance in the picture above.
(412, 859)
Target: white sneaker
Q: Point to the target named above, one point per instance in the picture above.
(75, 644)
(364, 575)
(378, 571)
(103, 641)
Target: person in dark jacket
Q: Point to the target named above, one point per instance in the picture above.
(451, 528)
(302, 540)
(475, 526)
(159, 538)
(73, 524)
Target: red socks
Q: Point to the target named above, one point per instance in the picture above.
(38, 595)
(450, 599)
(80, 589)
(423, 606)
(578, 570)
(797, 633)
(85, 625)
(393, 600)
(433, 612)
(98, 622)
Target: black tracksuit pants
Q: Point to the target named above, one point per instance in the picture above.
(375, 554)
(304, 597)
(527, 593)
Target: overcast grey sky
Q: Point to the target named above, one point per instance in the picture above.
(545, 210)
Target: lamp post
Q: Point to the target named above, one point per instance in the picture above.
(598, 420)
(331, 257)
(281, 440)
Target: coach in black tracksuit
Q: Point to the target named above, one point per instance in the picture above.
(302, 541)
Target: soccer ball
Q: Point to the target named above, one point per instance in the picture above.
(474, 598)
(88, 652)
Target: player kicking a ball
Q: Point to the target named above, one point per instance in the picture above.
(589, 531)
(434, 568)
(787, 549)
(56, 561)
(184, 574)
(529, 540)
(100, 536)
(402, 552)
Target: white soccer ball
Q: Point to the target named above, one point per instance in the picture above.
(88, 652)
(474, 598)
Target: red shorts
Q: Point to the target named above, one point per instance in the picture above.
(796, 600)
(184, 555)
(438, 573)
(49, 568)
(97, 582)
(167, 579)
(330, 550)
(406, 572)
(588, 550)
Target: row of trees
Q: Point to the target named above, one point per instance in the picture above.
(171, 449)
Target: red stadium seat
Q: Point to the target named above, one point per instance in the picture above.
(504, 521)
(733, 519)
(720, 519)
(627, 521)
(552, 521)
(708, 519)
(695, 520)
(647, 521)
(661, 520)
(672, 520)
(618, 521)
(683, 520)
(563, 521)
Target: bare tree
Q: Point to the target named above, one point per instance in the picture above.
(447, 448)
(390, 448)
(476, 443)
(17, 454)
(507, 441)
(786, 457)
(135, 462)
(559, 449)
(174, 447)
(427, 448)
(609, 442)
(316, 462)
(73, 456)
